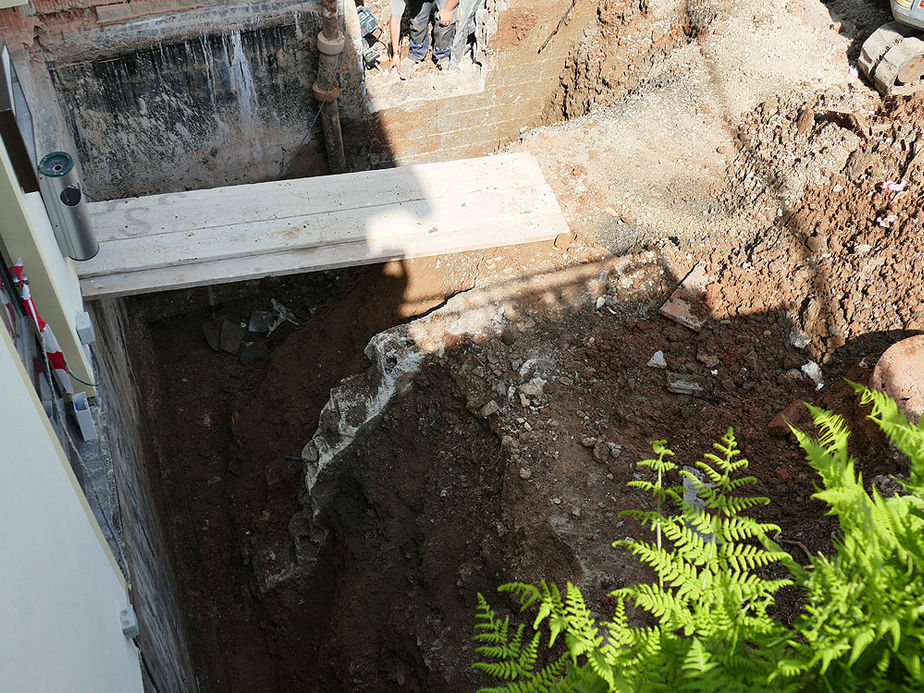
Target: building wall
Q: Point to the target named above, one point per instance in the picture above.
(26, 233)
(163, 638)
(62, 590)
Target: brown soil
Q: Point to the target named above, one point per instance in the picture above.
(436, 500)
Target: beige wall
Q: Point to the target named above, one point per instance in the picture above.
(61, 589)
(26, 232)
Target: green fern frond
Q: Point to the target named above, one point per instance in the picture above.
(894, 424)
(862, 625)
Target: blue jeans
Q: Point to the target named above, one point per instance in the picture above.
(420, 31)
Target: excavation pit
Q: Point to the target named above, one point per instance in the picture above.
(335, 493)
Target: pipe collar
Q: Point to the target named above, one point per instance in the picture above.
(325, 95)
(330, 46)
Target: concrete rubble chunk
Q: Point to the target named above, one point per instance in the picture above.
(489, 409)
(211, 330)
(798, 338)
(533, 388)
(812, 371)
(232, 334)
(657, 360)
(681, 384)
(686, 306)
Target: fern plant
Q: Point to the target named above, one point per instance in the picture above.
(863, 620)
(710, 606)
(863, 624)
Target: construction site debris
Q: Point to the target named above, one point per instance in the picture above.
(812, 371)
(232, 335)
(489, 409)
(680, 383)
(260, 320)
(211, 331)
(685, 305)
(893, 186)
(793, 414)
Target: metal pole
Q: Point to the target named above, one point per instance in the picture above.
(326, 89)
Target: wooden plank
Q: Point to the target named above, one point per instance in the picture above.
(441, 216)
(240, 232)
(187, 211)
(510, 231)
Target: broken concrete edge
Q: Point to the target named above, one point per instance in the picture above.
(361, 398)
(397, 354)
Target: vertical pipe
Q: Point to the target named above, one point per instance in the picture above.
(326, 89)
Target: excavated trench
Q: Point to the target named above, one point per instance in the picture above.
(368, 582)
(337, 492)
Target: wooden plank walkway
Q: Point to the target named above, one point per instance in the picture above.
(241, 232)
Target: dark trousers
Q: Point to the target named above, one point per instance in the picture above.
(422, 15)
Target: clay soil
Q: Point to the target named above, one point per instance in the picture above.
(440, 497)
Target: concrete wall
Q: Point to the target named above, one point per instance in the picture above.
(62, 591)
(170, 104)
(210, 110)
(163, 638)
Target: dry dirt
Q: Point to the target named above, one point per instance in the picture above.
(763, 163)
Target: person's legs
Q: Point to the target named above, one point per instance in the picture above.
(442, 41)
(420, 29)
(443, 36)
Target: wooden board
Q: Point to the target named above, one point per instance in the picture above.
(241, 232)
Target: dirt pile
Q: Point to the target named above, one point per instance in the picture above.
(616, 58)
(847, 258)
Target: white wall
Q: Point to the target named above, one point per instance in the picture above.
(60, 588)
(27, 233)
